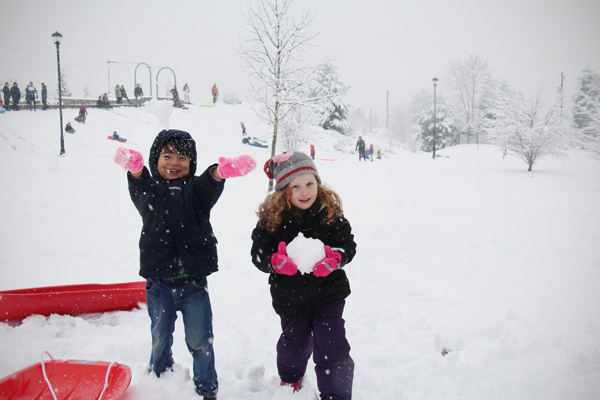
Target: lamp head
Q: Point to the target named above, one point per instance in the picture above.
(435, 81)
(57, 37)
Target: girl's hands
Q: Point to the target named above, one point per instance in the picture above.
(330, 263)
(281, 263)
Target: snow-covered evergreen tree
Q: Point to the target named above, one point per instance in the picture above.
(445, 132)
(586, 111)
(64, 88)
(328, 92)
(586, 108)
(529, 128)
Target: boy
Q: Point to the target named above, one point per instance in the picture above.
(178, 249)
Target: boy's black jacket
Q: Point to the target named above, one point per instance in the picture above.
(176, 217)
(303, 294)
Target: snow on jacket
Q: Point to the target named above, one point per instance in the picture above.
(303, 294)
(175, 232)
(360, 145)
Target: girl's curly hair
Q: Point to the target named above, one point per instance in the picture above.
(269, 212)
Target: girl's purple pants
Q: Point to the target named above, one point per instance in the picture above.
(322, 334)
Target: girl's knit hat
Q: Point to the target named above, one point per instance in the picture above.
(288, 166)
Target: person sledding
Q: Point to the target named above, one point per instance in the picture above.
(116, 136)
(103, 102)
(178, 104)
(69, 128)
(82, 114)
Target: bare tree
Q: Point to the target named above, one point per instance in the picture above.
(271, 48)
(529, 128)
(472, 92)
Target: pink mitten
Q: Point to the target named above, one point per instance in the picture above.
(130, 160)
(234, 167)
(330, 263)
(281, 263)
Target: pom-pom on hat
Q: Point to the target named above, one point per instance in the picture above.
(288, 166)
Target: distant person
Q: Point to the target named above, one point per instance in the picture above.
(15, 93)
(243, 128)
(30, 96)
(82, 114)
(186, 93)
(69, 128)
(118, 94)
(124, 95)
(215, 93)
(371, 151)
(312, 151)
(175, 94)
(44, 96)
(360, 146)
(103, 102)
(6, 92)
(178, 249)
(138, 93)
(379, 154)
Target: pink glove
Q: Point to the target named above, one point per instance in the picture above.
(234, 167)
(330, 263)
(130, 160)
(281, 263)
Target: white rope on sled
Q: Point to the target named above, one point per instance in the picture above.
(50, 386)
(46, 376)
(106, 379)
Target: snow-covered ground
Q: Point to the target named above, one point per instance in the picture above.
(470, 256)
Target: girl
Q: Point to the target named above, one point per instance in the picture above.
(310, 305)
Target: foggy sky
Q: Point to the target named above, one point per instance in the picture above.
(380, 46)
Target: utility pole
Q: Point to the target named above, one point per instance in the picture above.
(387, 111)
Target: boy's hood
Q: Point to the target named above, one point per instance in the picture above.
(159, 144)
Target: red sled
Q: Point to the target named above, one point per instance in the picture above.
(123, 140)
(71, 300)
(70, 379)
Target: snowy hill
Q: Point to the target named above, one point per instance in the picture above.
(474, 279)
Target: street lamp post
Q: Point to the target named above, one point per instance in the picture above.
(57, 37)
(435, 81)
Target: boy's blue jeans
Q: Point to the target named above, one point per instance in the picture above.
(190, 296)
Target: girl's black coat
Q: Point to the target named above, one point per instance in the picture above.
(303, 294)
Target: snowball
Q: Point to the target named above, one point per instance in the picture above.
(305, 252)
(162, 110)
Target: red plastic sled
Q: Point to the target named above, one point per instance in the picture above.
(70, 379)
(122, 140)
(71, 300)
